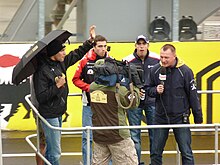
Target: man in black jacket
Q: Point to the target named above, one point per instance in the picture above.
(145, 59)
(51, 89)
(172, 83)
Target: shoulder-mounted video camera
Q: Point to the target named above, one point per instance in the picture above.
(111, 71)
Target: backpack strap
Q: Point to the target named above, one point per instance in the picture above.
(131, 86)
(118, 97)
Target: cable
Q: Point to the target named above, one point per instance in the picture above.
(165, 110)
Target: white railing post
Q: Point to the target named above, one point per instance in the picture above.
(216, 144)
(178, 157)
(38, 134)
(88, 129)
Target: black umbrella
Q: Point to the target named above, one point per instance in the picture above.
(28, 62)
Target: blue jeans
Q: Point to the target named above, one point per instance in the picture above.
(86, 121)
(183, 139)
(134, 118)
(53, 138)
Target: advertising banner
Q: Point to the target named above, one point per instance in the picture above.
(16, 114)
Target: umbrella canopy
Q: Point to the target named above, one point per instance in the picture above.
(28, 63)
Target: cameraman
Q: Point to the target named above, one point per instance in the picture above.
(109, 103)
(82, 78)
(172, 83)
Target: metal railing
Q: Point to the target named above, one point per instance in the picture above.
(88, 129)
(208, 127)
(202, 127)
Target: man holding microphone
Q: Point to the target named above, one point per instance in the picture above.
(172, 84)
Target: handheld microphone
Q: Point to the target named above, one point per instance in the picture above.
(162, 75)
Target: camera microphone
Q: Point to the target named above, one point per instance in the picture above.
(162, 75)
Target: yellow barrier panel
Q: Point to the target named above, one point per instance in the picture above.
(202, 57)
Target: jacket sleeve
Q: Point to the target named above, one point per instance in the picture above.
(193, 97)
(77, 54)
(43, 90)
(78, 77)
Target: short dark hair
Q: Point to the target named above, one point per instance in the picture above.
(169, 46)
(99, 38)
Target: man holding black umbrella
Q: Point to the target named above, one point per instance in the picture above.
(51, 89)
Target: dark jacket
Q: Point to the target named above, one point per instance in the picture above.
(150, 60)
(53, 100)
(179, 96)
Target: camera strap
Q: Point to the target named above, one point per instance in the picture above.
(131, 88)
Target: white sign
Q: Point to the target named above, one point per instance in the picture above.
(211, 31)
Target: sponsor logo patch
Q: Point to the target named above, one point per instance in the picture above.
(98, 97)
